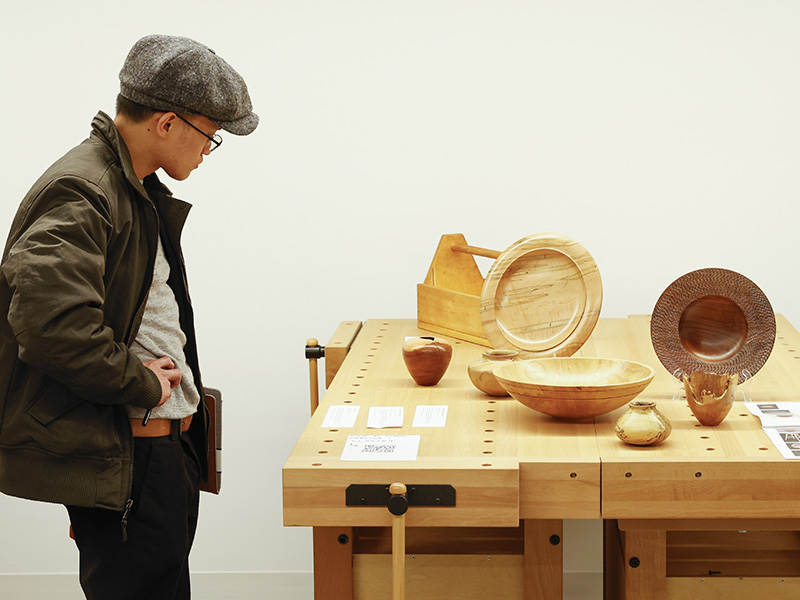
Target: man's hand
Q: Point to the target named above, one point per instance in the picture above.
(167, 374)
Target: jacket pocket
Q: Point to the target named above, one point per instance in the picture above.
(52, 402)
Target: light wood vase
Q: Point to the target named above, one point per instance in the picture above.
(481, 372)
(427, 358)
(642, 424)
(710, 395)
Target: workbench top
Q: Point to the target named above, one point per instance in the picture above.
(509, 462)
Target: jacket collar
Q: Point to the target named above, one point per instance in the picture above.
(104, 127)
(151, 189)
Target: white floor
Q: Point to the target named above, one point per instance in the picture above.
(239, 586)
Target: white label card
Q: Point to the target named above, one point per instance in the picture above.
(381, 447)
(430, 416)
(381, 417)
(338, 416)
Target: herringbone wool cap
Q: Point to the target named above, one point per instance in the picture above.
(178, 74)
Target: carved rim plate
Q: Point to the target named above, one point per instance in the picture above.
(542, 297)
(713, 320)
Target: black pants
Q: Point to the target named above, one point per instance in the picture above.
(153, 564)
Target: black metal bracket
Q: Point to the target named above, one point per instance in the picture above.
(418, 495)
(315, 351)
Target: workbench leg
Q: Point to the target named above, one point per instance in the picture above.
(645, 564)
(543, 559)
(333, 563)
(613, 561)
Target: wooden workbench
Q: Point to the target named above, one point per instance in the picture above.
(518, 474)
(713, 512)
(507, 463)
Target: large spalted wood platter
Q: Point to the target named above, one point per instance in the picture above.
(542, 297)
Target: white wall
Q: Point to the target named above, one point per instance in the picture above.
(664, 136)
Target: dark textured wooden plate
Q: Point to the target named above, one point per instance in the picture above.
(713, 320)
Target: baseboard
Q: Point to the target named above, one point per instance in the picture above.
(583, 586)
(238, 586)
(252, 586)
(40, 586)
(205, 586)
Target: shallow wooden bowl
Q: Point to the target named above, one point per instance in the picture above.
(574, 388)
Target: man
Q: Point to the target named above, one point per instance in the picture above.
(100, 393)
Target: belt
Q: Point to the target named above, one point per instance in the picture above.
(159, 427)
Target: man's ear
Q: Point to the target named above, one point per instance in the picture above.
(164, 123)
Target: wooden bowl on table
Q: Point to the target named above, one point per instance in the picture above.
(574, 388)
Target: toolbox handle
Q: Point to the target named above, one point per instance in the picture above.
(466, 249)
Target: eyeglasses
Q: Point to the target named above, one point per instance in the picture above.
(215, 140)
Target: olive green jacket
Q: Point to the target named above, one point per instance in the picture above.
(74, 279)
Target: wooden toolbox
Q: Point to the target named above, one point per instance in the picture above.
(541, 296)
(449, 301)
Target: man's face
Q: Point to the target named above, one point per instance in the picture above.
(187, 145)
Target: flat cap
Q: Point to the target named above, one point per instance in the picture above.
(178, 74)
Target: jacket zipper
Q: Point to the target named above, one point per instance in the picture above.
(128, 507)
(137, 319)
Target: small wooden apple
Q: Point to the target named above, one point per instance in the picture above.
(427, 358)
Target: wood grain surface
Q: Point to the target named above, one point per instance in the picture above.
(541, 297)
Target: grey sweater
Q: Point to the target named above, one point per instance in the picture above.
(160, 335)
